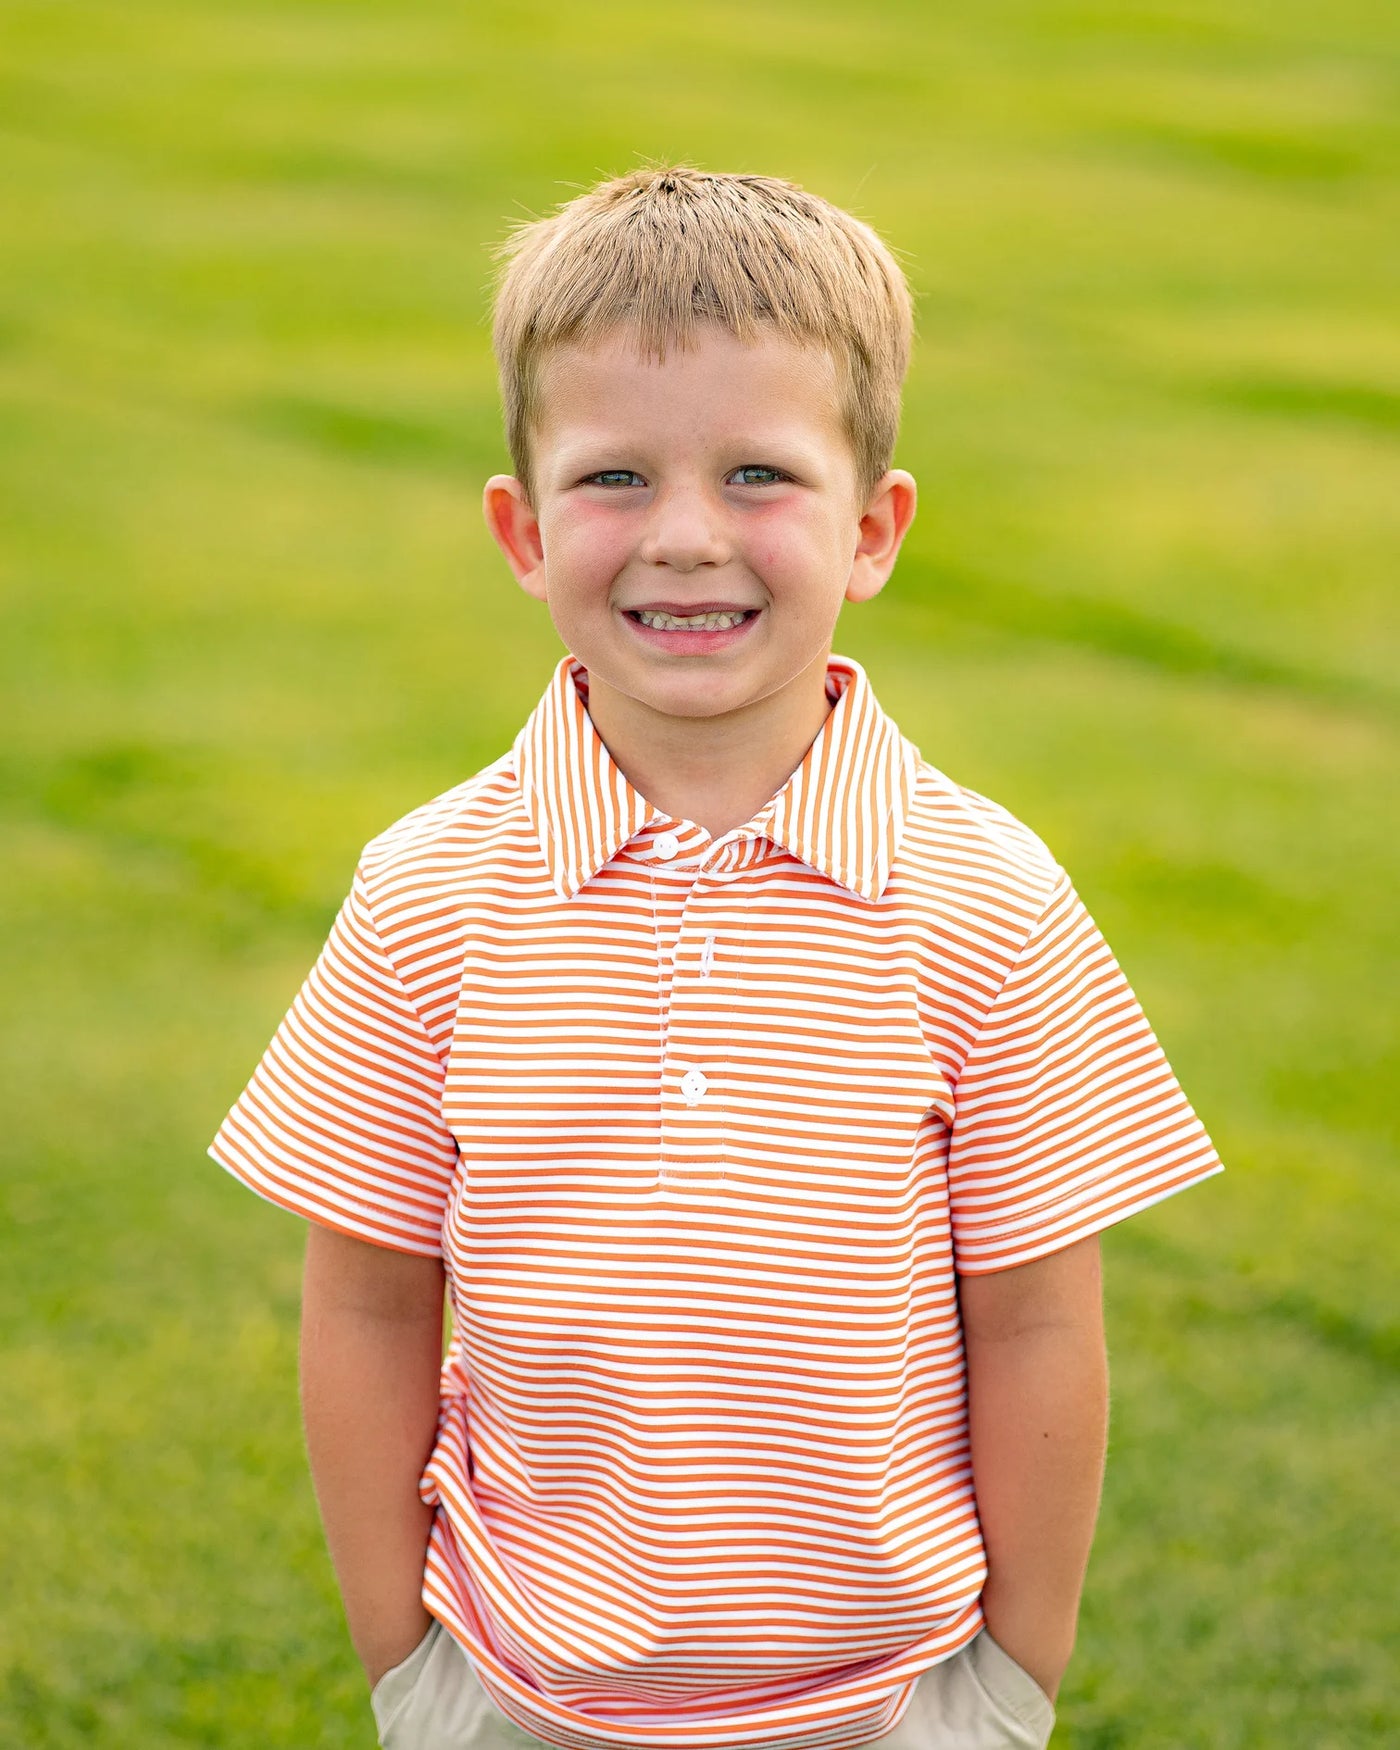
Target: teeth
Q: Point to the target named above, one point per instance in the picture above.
(689, 622)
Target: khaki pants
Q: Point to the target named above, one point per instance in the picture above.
(980, 1699)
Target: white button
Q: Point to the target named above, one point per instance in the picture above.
(665, 845)
(693, 1086)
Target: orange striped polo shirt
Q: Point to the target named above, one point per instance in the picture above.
(704, 1129)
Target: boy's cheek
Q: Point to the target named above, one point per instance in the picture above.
(789, 561)
(792, 534)
(584, 541)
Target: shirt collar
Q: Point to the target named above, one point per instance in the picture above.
(842, 812)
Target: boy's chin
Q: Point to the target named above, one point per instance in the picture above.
(698, 696)
(691, 699)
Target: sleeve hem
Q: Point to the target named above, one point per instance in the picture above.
(1043, 1246)
(320, 1216)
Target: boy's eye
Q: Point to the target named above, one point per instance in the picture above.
(755, 474)
(613, 477)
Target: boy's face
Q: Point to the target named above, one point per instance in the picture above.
(716, 489)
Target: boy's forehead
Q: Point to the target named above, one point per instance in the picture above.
(767, 379)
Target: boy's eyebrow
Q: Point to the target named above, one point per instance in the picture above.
(586, 455)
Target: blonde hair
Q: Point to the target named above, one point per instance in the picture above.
(662, 250)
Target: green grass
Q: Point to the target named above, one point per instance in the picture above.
(251, 617)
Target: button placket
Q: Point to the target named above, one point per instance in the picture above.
(694, 1113)
(665, 975)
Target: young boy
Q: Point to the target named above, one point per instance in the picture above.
(756, 1092)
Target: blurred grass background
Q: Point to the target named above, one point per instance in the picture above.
(251, 617)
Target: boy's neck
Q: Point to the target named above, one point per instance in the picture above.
(715, 771)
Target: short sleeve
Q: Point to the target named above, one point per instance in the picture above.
(342, 1121)
(1067, 1115)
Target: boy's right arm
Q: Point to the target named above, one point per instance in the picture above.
(371, 1353)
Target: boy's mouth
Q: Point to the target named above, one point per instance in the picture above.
(698, 620)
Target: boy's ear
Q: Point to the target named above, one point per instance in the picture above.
(883, 526)
(516, 530)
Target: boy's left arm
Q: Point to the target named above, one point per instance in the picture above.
(1037, 1378)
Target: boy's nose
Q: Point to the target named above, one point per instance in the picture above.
(685, 530)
